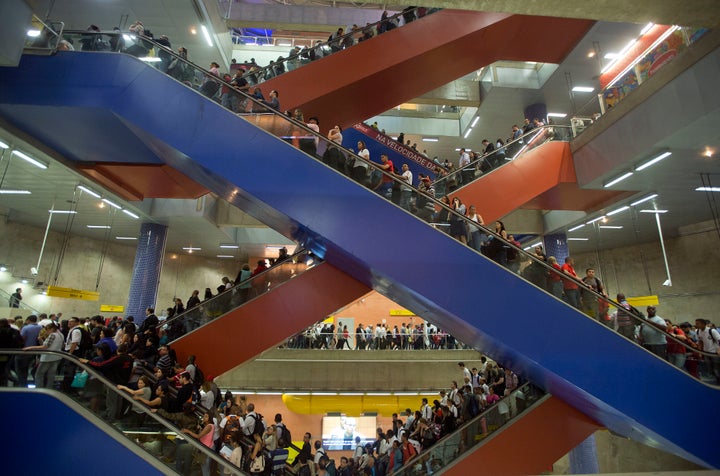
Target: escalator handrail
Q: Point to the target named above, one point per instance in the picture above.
(437, 203)
(260, 72)
(125, 396)
(464, 426)
(520, 140)
(260, 275)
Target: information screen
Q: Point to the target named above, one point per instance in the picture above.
(339, 432)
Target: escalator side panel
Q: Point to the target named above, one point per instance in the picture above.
(570, 355)
(530, 444)
(66, 443)
(376, 75)
(250, 329)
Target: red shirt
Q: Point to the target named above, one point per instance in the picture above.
(567, 283)
(676, 347)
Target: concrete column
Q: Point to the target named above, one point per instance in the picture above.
(15, 17)
(146, 270)
(556, 245)
(538, 110)
(583, 458)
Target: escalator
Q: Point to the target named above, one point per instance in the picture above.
(605, 376)
(378, 74)
(292, 295)
(83, 439)
(544, 427)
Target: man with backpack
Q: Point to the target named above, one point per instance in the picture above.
(253, 422)
(77, 343)
(283, 434)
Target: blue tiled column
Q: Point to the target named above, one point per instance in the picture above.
(583, 458)
(556, 245)
(146, 271)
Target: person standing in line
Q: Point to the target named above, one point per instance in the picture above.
(15, 298)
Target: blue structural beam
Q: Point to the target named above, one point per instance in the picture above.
(600, 373)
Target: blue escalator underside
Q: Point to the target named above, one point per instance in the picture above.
(149, 117)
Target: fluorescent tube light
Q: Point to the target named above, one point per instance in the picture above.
(324, 393)
(206, 34)
(430, 139)
(130, 214)
(112, 204)
(583, 89)
(3, 145)
(594, 220)
(191, 248)
(707, 189)
(654, 160)
(150, 59)
(33, 33)
(125, 238)
(611, 227)
(477, 118)
(225, 256)
(643, 200)
(618, 180)
(618, 210)
(127, 37)
(576, 227)
(646, 28)
(29, 159)
(653, 211)
(230, 247)
(100, 227)
(88, 191)
(15, 192)
(556, 114)
(467, 133)
(637, 59)
(63, 212)
(611, 56)
(578, 239)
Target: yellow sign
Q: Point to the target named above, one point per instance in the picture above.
(69, 293)
(643, 301)
(401, 312)
(111, 308)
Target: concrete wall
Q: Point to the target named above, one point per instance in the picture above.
(21, 248)
(639, 270)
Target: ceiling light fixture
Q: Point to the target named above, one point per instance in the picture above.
(618, 210)
(643, 200)
(3, 268)
(430, 139)
(206, 34)
(594, 220)
(653, 161)
(653, 211)
(637, 59)
(475, 121)
(576, 227)
(3, 145)
(191, 248)
(99, 227)
(583, 89)
(611, 56)
(150, 59)
(708, 152)
(467, 133)
(611, 227)
(591, 54)
(230, 247)
(225, 256)
(62, 212)
(556, 114)
(646, 28)
(112, 204)
(578, 239)
(125, 238)
(15, 192)
(33, 33)
(29, 159)
(618, 179)
(707, 189)
(89, 191)
(131, 214)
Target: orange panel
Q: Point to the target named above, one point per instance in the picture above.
(139, 181)
(267, 320)
(531, 444)
(569, 196)
(376, 75)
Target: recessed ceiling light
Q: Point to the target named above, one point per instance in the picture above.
(89, 191)
(653, 211)
(594, 220)
(125, 238)
(130, 214)
(708, 152)
(191, 248)
(618, 180)
(112, 204)
(29, 159)
(591, 54)
(62, 212)
(230, 247)
(578, 239)
(225, 256)
(618, 210)
(611, 227)
(556, 114)
(101, 227)
(583, 89)
(707, 189)
(576, 227)
(654, 160)
(643, 200)
(430, 139)
(33, 33)
(8, 191)
(193, 31)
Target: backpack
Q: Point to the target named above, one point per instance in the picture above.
(285, 434)
(86, 342)
(259, 428)
(232, 427)
(199, 376)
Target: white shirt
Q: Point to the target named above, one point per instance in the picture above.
(408, 177)
(365, 154)
(708, 344)
(464, 159)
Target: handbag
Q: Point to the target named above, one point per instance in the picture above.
(258, 464)
(80, 380)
